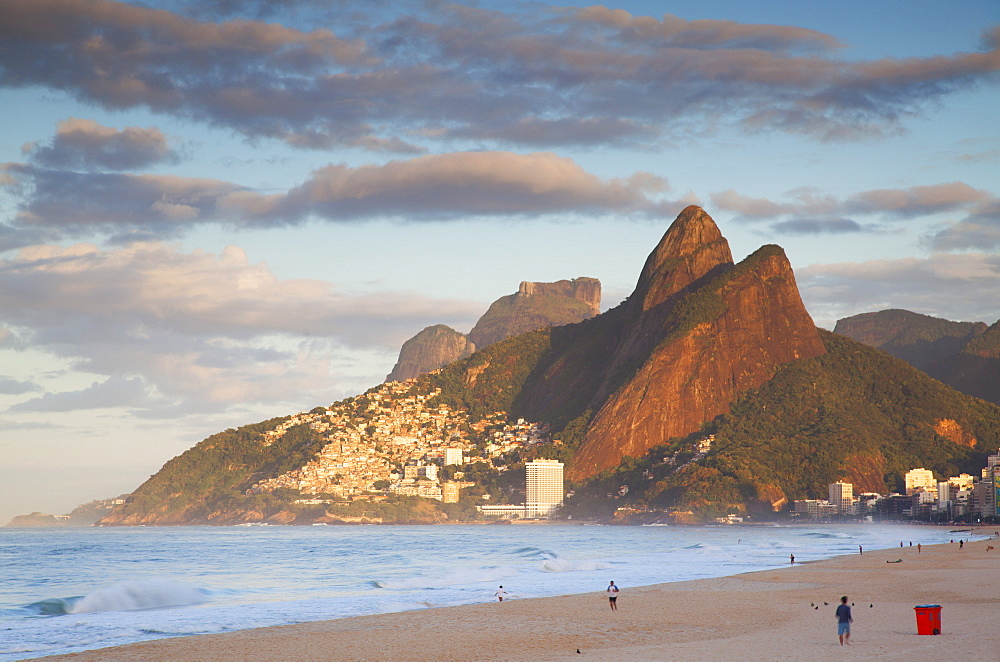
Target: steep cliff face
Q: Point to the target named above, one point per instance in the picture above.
(719, 339)
(920, 340)
(536, 306)
(430, 349)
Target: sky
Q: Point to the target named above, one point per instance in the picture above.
(216, 212)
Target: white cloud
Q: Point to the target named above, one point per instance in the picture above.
(957, 287)
(167, 327)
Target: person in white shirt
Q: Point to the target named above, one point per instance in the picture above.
(613, 596)
(500, 593)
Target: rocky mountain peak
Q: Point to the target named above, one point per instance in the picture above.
(430, 349)
(691, 249)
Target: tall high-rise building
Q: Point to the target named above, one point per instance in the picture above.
(842, 496)
(543, 487)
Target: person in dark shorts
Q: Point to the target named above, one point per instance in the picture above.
(613, 596)
(844, 621)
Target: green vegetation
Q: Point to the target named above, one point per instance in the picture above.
(213, 475)
(488, 381)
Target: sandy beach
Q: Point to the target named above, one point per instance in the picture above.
(766, 615)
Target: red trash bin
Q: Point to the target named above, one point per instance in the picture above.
(928, 619)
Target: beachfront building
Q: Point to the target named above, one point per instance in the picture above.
(842, 496)
(962, 481)
(451, 491)
(815, 508)
(543, 487)
(918, 480)
(502, 511)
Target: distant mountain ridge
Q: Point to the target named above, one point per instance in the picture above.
(918, 339)
(964, 355)
(533, 306)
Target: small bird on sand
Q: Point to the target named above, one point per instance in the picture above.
(826, 603)
(870, 606)
(578, 652)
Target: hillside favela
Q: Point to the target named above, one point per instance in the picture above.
(707, 396)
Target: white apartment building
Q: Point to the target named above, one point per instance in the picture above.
(543, 487)
(920, 480)
(842, 496)
(453, 456)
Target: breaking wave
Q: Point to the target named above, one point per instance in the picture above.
(125, 596)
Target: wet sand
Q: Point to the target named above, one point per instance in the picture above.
(765, 615)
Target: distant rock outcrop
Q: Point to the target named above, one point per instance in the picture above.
(430, 349)
(534, 306)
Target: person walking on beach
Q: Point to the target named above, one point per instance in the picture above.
(844, 621)
(791, 558)
(500, 593)
(613, 596)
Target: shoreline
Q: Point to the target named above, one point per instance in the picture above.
(767, 614)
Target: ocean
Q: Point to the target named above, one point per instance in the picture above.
(68, 590)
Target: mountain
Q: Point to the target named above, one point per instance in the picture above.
(708, 389)
(920, 340)
(537, 305)
(533, 306)
(964, 355)
(852, 413)
(696, 332)
(430, 349)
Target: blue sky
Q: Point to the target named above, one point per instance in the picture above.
(212, 213)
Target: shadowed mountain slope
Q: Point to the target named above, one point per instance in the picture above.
(920, 340)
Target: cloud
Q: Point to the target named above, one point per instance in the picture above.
(165, 327)
(76, 203)
(463, 184)
(11, 386)
(916, 201)
(81, 144)
(674, 31)
(814, 226)
(814, 214)
(527, 76)
(943, 285)
(978, 231)
(444, 186)
(113, 392)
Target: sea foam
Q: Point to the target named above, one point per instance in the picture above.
(139, 594)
